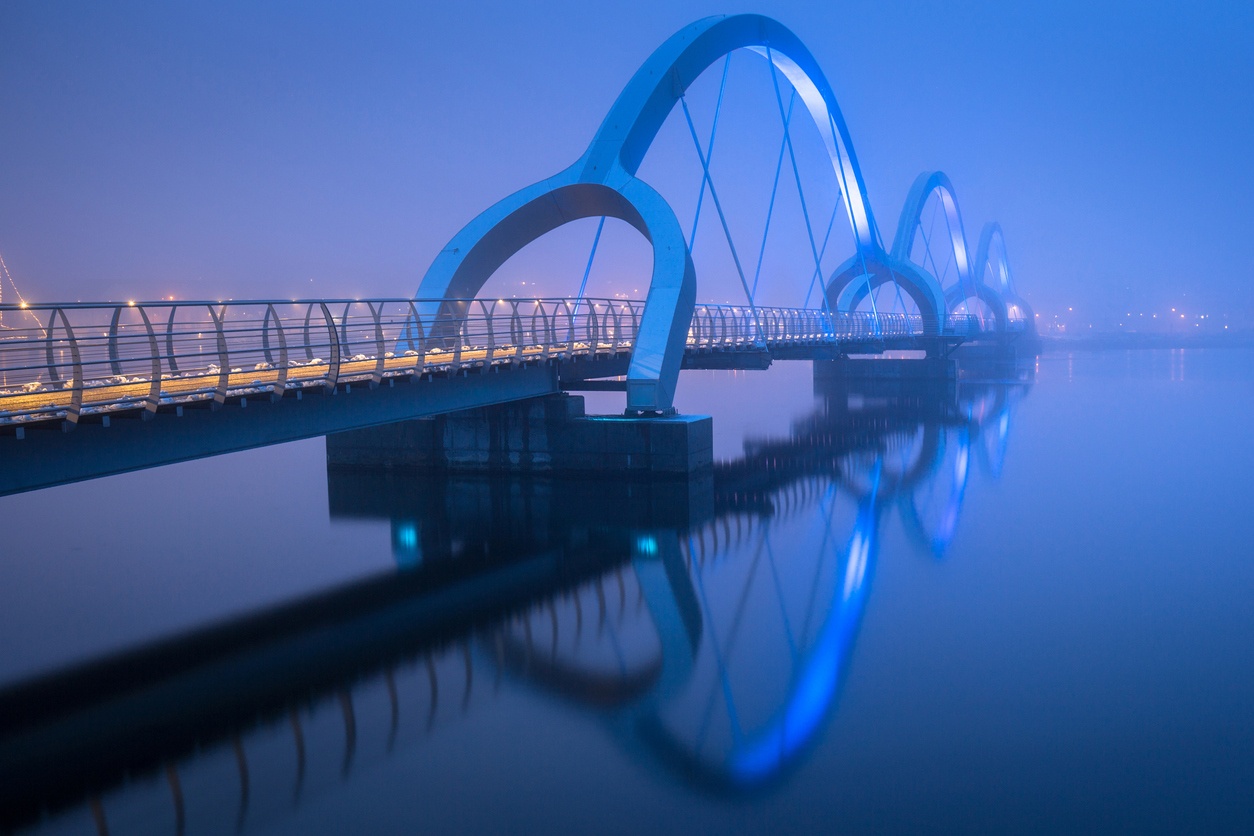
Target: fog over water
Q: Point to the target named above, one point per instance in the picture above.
(1012, 601)
(1018, 606)
(327, 149)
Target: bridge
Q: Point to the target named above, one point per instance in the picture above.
(143, 384)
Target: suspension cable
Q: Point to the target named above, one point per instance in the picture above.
(720, 656)
(733, 632)
(900, 303)
(928, 253)
(792, 157)
(588, 269)
(718, 206)
(827, 237)
(770, 207)
(709, 149)
(779, 596)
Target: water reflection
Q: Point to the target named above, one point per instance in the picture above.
(706, 625)
(759, 606)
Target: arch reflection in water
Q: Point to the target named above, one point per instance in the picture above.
(708, 625)
(781, 572)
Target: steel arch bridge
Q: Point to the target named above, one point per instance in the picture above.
(604, 182)
(87, 364)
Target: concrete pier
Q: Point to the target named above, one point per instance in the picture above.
(886, 368)
(539, 435)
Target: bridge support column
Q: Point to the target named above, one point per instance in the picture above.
(997, 349)
(540, 435)
(886, 368)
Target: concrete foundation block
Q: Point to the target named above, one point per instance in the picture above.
(547, 435)
(924, 368)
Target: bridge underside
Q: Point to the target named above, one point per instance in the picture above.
(47, 455)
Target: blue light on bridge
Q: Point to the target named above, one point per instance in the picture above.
(646, 545)
(405, 547)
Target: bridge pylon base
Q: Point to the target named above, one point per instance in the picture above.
(549, 435)
(886, 368)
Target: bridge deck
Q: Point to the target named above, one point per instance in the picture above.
(222, 378)
(70, 361)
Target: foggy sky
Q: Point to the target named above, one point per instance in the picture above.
(241, 150)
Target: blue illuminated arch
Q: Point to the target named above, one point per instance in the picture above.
(937, 540)
(925, 185)
(603, 182)
(766, 754)
(991, 253)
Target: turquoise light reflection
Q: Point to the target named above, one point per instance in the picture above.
(405, 547)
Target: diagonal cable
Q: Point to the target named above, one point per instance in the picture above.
(792, 157)
(709, 150)
(827, 237)
(583, 285)
(770, 207)
(718, 206)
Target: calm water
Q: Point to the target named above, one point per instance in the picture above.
(1020, 605)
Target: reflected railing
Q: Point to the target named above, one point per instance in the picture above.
(644, 605)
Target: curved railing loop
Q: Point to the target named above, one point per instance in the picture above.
(154, 387)
(171, 359)
(115, 361)
(488, 311)
(75, 383)
(515, 332)
(616, 341)
(344, 340)
(569, 343)
(335, 358)
(224, 357)
(543, 343)
(592, 324)
(414, 323)
(280, 383)
(308, 333)
(380, 354)
(266, 351)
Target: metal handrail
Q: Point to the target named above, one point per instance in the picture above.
(79, 358)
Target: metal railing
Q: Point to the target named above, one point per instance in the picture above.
(963, 325)
(720, 326)
(64, 361)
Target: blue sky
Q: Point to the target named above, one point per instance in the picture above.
(268, 150)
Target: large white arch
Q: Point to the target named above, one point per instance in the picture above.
(603, 182)
(969, 285)
(872, 267)
(859, 276)
(908, 227)
(924, 186)
(991, 252)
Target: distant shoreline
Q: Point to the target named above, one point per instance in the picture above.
(1146, 341)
